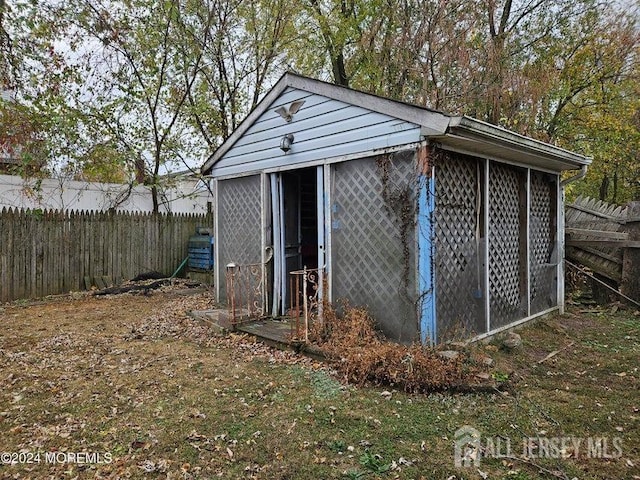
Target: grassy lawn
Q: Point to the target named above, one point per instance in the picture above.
(129, 387)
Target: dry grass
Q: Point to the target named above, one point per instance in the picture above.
(134, 377)
(361, 354)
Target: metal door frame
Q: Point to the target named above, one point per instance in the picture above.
(280, 280)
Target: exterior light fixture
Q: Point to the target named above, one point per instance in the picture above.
(285, 143)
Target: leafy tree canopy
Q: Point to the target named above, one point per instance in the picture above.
(129, 89)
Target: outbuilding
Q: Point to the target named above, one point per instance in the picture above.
(442, 226)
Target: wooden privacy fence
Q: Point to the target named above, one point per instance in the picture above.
(51, 252)
(605, 238)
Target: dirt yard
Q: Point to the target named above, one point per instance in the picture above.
(129, 386)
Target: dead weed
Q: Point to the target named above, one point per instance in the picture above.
(361, 354)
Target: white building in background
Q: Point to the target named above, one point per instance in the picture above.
(7, 151)
(187, 194)
(184, 193)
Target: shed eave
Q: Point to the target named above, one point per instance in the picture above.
(268, 99)
(456, 132)
(487, 138)
(432, 122)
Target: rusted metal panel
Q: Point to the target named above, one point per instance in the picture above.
(306, 307)
(245, 287)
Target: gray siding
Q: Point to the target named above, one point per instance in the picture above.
(323, 128)
(371, 265)
(459, 254)
(522, 277)
(507, 244)
(543, 249)
(239, 220)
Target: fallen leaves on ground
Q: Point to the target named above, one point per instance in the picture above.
(89, 374)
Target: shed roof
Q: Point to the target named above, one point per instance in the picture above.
(460, 133)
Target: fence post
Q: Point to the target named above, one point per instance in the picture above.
(630, 284)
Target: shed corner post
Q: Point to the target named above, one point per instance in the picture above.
(487, 244)
(527, 255)
(425, 237)
(630, 285)
(327, 231)
(561, 246)
(264, 198)
(216, 236)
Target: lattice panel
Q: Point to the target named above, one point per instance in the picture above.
(542, 266)
(239, 224)
(459, 251)
(368, 256)
(506, 288)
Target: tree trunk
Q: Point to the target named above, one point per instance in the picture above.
(154, 198)
(604, 187)
(339, 70)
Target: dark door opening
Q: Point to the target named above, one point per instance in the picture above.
(299, 226)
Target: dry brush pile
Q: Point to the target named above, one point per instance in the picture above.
(361, 354)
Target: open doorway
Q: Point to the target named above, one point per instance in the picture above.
(295, 215)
